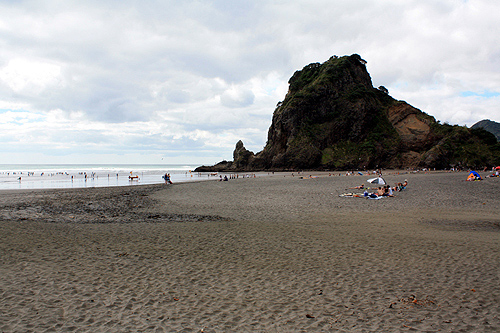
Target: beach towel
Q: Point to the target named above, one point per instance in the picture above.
(350, 195)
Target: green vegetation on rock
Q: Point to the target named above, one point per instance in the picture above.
(488, 125)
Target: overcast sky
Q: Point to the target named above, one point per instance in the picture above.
(163, 81)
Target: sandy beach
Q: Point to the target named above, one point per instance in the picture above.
(268, 254)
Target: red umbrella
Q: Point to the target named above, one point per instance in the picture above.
(497, 168)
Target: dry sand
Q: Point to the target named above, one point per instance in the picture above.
(265, 254)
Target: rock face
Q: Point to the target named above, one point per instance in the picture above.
(333, 118)
(413, 132)
(241, 156)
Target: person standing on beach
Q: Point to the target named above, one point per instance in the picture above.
(167, 179)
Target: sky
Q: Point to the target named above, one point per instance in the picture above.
(180, 82)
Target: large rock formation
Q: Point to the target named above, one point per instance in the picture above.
(333, 118)
(488, 125)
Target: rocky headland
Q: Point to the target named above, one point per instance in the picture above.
(332, 118)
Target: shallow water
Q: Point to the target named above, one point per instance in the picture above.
(81, 176)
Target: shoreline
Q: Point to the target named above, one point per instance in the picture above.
(274, 253)
(195, 177)
(85, 176)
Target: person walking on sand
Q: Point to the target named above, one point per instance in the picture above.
(167, 179)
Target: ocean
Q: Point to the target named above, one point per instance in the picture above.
(44, 176)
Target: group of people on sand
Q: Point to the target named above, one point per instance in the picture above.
(225, 178)
(378, 193)
(385, 191)
(496, 174)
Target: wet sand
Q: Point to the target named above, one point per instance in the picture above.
(265, 254)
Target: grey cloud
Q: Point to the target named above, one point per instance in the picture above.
(178, 96)
(129, 61)
(237, 99)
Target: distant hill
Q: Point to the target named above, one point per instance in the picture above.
(332, 118)
(488, 125)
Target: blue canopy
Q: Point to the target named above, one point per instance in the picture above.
(475, 174)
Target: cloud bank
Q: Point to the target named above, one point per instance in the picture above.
(135, 82)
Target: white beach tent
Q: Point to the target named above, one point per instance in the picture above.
(378, 180)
